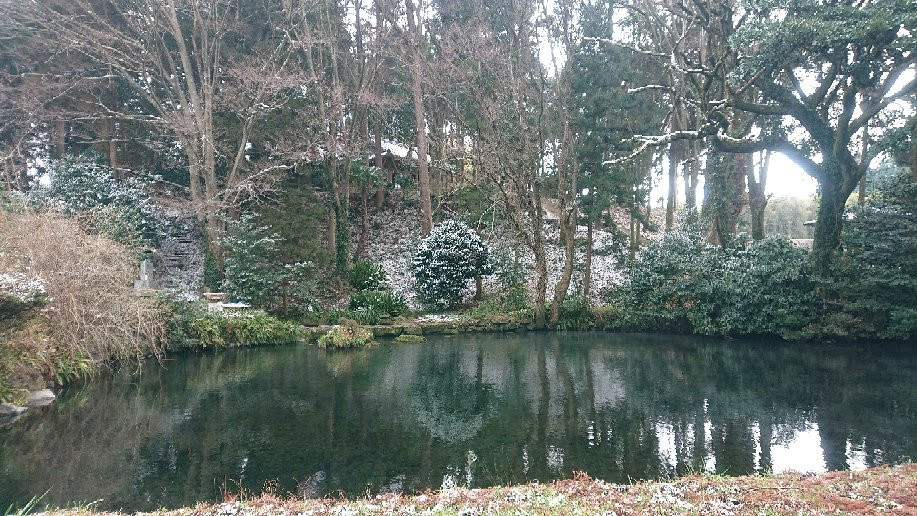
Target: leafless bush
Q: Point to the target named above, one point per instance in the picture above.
(94, 313)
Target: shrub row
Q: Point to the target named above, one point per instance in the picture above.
(195, 328)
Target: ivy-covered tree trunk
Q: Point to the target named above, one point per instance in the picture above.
(380, 192)
(836, 184)
(827, 238)
(332, 233)
(724, 194)
(587, 262)
(563, 285)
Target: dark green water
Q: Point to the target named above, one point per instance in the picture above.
(474, 411)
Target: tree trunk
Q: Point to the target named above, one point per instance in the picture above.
(861, 197)
(112, 143)
(673, 188)
(332, 232)
(541, 261)
(690, 171)
(828, 223)
(757, 220)
(541, 281)
(757, 200)
(560, 289)
(60, 138)
(478, 288)
(423, 180)
(587, 266)
(380, 193)
(364, 221)
(639, 234)
(342, 250)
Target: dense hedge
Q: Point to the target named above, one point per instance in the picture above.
(872, 292)
(679, 283)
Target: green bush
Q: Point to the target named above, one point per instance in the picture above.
(367, 276)
(764, 289)
(343, 337)
(872, 292)
(385, 302)
(513, 294)
(193, 327)
(213, 277)
(663, 283)
(450, 256)
(255, 272)
(679, 283)
(576, 313)
(367, 315)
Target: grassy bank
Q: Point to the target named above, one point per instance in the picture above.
(891, 490)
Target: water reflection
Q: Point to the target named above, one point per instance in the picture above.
(471, 411)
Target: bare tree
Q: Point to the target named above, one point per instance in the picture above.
(508, 123)
(176, 57)
(417, 45)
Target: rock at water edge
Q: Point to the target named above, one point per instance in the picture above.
(8, 410)
(40, 398)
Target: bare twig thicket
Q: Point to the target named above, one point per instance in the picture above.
(94, 313)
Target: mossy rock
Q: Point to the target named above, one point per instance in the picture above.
(412, 329)
(380, 332)
(341, 337)
(409, 339)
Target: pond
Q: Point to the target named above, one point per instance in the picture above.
(466, 411)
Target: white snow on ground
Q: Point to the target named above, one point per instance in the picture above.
(395, 232)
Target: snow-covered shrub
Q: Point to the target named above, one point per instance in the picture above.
(254, 272)
(120, 209)
(444, 262)
(20, 293)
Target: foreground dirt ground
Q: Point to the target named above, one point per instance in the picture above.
(887, 490)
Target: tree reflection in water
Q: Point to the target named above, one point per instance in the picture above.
(476, 410)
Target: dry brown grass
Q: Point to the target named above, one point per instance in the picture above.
(94, 314)
(881, 490)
